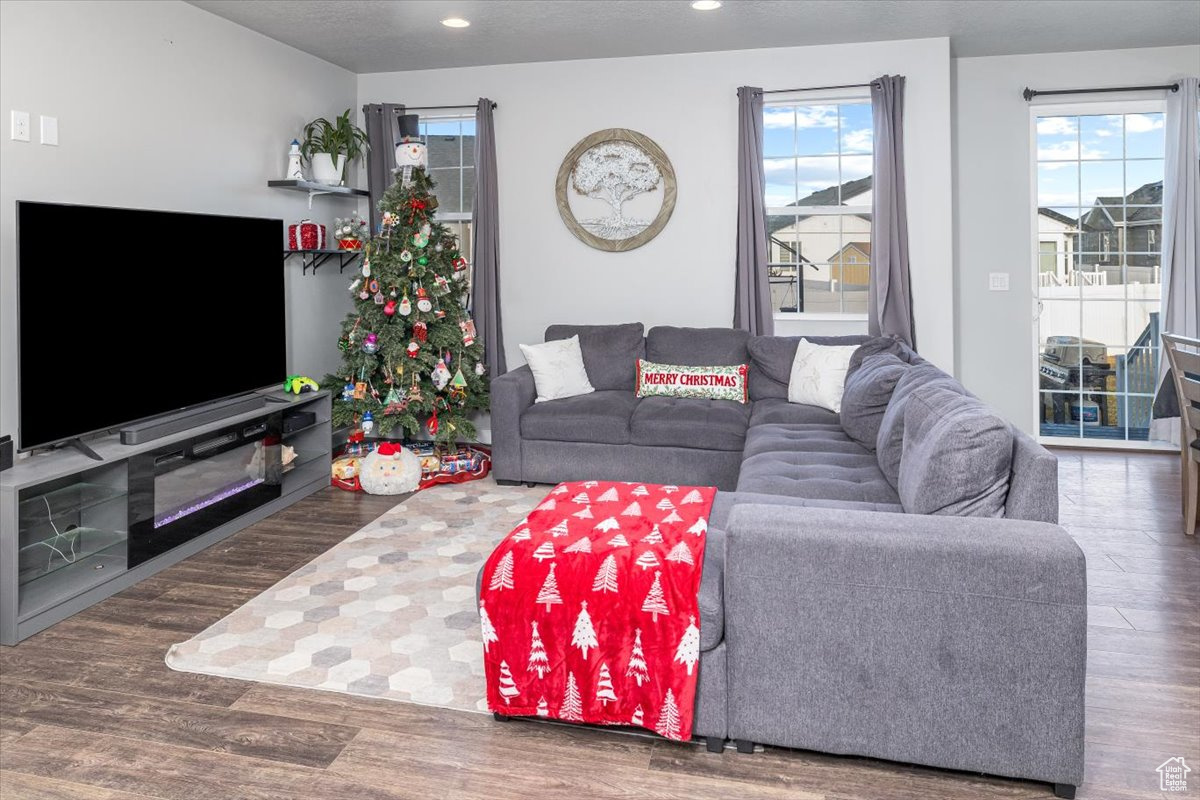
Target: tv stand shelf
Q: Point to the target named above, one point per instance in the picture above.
(70, 527)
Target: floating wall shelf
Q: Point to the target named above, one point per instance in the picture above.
(315, 258)
(312, 189)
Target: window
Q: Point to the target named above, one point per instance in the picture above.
(1099, 180)
(817, 162)
(451, 144)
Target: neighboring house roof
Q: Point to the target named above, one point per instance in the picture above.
(862, 247)
(1142, 206)
(825, 197)
(1050, 213)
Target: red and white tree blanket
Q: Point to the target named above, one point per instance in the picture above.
(590, 607)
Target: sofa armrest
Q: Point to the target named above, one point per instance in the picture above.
(956, 642)
(512, 393)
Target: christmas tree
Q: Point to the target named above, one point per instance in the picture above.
(668, 718)
(411, 356)
(508, 689)
(637, 661)
(489, 631)
(584, 636)
(549, 595)
(688, 652)
(502, 578)
(537, 655)
(604, 686)
(572, 704)
(606, 575)
(655, 603)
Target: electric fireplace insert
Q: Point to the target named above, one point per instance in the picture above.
(184, 490)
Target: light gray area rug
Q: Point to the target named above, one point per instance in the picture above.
(389, 612)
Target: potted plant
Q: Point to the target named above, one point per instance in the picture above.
(350, 232)
(327, 146)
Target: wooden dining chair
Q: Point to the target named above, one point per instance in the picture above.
(1183, 354)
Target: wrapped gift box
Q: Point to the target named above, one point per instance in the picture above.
(306, 235)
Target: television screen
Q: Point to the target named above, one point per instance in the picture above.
(126, 314)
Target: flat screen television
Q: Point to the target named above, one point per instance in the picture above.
(126, 314)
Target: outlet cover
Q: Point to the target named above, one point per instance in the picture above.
(998, 281)
(49, 130)
(20, 126)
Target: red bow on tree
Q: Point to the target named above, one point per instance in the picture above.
(416, 205)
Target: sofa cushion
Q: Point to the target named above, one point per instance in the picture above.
(609, 351)
(557, 368)
(599, 417)
(812, 462)
(697, 347)
(890, 442)
(957, 455)
(775, 410)
(690, 422)
(819, 374)
(712, 589)
(771, 359)
(866, 396)
(878, 345)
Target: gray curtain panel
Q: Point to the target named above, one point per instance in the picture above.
(1180, 243)
(752, 291)
(889, 293)
(485, 227)
(383, 129)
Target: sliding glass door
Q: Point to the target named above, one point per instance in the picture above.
(1096, 259)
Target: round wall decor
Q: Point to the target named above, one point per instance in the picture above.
(615, 189)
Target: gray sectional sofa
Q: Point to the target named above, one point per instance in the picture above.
(888, 582)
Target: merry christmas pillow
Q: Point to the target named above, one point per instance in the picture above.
(710, 383)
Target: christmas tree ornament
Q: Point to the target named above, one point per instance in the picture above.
(413, 349)
(392, 293)
(368, 423)
(366, 269)
(423, 302)
(405, 256)
(480, 368)
(440, 376)
(423, 261)
(459, 381)
(421, 331)
(467, 326)
(373, 287)
(432, 424)
(378, 298)
(360, 390)
(414, 391)
(348, 392)
(370, 344)
(389, 308)
(441, 285)
(460, 268)
(437, 248)
(420, 239)
(355, 284)
(395, 402)
(426, 229)
(364, 294)
(405, 306)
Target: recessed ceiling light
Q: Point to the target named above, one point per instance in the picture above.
(459, 22)
(706, 5)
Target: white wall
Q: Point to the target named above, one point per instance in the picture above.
(686, 103)
(993, 224)
(162, 105)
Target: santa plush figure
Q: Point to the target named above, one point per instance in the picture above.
(410, 150)
(390, 469)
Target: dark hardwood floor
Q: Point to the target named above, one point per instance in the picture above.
(89, 710)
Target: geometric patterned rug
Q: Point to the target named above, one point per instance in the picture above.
(389, 612)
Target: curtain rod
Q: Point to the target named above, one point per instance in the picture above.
(440, 108)
(820, 88)
(1029, 94)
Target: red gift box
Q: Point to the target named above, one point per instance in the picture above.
(306, 235)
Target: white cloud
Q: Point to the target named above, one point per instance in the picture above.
(802, 117)
(777, 118)
(857, 140)
(1056, 126)
(1143, 123)
(1059, 151)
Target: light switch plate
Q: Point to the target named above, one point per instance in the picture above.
(20, 126)
(998, 281)
(49, 130)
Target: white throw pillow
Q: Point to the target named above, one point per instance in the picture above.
(819, 374)
(558, 369)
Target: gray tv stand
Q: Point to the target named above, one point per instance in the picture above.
(69, 525)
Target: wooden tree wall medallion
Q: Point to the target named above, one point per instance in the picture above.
(615, 190)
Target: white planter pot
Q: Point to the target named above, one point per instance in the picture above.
(325, 169)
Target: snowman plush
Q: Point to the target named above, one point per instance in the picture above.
(410, 153)
(390, 469)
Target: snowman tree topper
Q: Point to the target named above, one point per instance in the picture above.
(410, 150)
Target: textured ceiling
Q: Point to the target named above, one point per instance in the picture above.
(386, 35)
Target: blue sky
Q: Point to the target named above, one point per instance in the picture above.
(1080, 158)
(801, 146)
